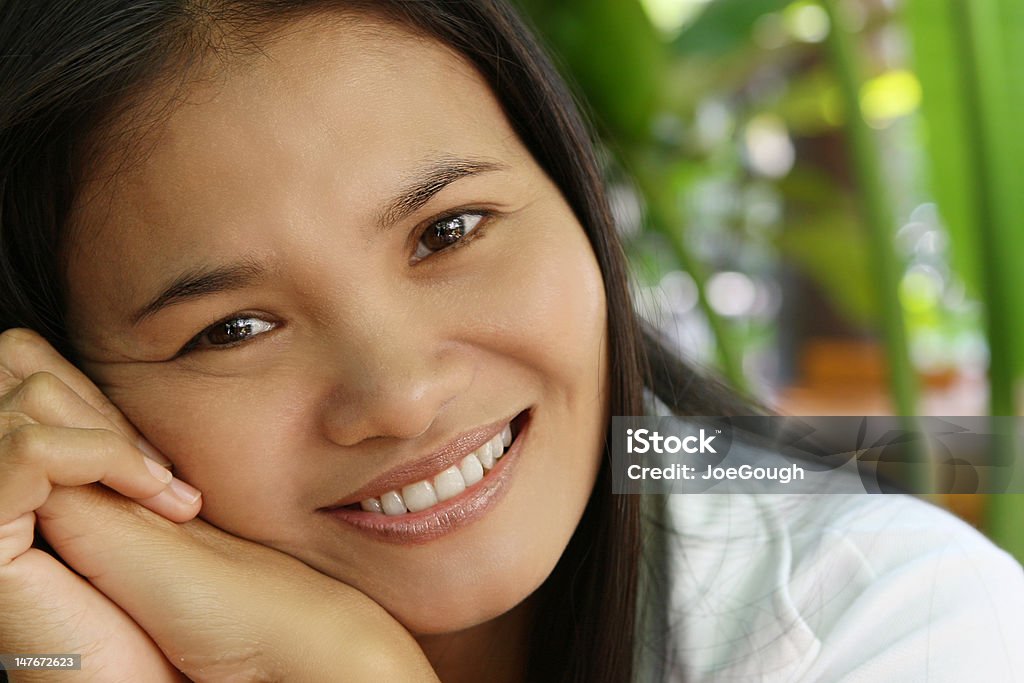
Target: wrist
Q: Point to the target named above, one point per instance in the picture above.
(360, 643)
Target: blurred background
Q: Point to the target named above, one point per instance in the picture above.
(820, 198)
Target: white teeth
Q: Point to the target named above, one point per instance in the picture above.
(445, 485)
(471, 469)
(490, 452)
(497, 449)
(484, 455)
(419, 496)
(449, 484)
(392, 503)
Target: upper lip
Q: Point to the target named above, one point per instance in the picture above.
(428, 465)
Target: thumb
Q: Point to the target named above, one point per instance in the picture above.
(221, 607)
(101, 533)
(163, 576)
(211, 601)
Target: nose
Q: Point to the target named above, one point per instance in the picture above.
(392, 381)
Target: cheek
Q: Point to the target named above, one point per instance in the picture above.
(236, 444)
(550, 304)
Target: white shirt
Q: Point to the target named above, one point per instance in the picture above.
(833, 587)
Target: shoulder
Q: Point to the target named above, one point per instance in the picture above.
(839, 588)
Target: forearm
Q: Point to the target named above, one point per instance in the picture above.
(361, 649)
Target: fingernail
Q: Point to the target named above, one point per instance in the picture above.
(152, 453)
(161, 473)
(184, 492)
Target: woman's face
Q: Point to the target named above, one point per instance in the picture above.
(401, 277)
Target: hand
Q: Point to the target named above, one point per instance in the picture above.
(57, 429)
(223, 608)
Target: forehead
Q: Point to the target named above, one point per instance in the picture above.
(329, 112)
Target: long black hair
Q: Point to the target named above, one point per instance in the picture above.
(68, 67)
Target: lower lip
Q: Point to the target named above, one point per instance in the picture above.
(443, 518)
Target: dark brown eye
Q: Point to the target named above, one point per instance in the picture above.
(446, 232)
(234, 331)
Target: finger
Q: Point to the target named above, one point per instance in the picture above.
(46, 398)
(179, 502)
(16, 537)
(24, 353)
(36, 457)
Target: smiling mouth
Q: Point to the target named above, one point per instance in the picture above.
(446, 483)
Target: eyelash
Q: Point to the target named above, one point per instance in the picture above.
(476, 231)
(195, 344)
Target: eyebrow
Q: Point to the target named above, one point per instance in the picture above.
(204, 281)
(199, 282)
(429, 181)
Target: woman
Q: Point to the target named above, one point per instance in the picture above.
(347, 268)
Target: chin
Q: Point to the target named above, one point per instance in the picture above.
(448, 618)
(453, 600)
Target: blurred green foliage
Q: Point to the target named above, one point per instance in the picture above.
(868, 145)
(971, 61)
(614, 55)
(725, 27)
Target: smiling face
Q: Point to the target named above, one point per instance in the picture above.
(390, 269)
